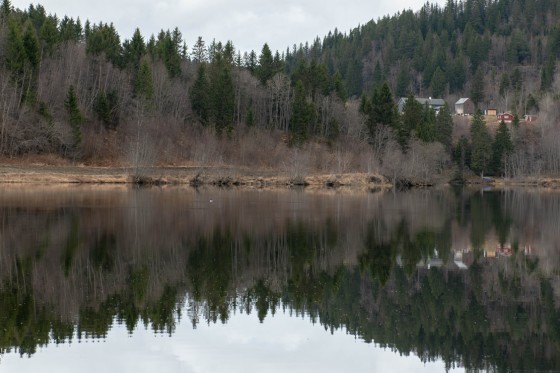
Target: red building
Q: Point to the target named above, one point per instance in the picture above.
(506, 117)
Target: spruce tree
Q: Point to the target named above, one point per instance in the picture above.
(199, 53)
(48, 34)
(134, 50)
(143, 85)
(31, 46)
(200, 95)
(222, 98)
(426, 126)
(302, 115)
(502, 147)
(338, 86)
(75, 117)
(5, 10)
(410, 120)
(15, 49)
(383, 107)
(265, 70)
(477, 88)
(444, 128)
(481, 140)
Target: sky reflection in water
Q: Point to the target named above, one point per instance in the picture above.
(282, 343)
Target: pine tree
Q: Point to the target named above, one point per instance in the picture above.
(502, 147)
(200, 96)
(481, 155)
(75, 117)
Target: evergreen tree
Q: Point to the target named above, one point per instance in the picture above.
(106, 107)
(200, 96)
(338, 86)
(134, 50)
(462, 155)
(477, 88)
(5, 10)
(104, 39)
(75, 117)
(15, 49)
(438, 82)
(481, 155)
(444, 127)
(502, 147)
(143, 85)
(251, 62)
(48, 34)
(265, 69)
(403, 80)
(302, 115)
(410, 120)
(425, 129)
(31, 46)
(384, 107)
(222, 96)
(168, 48)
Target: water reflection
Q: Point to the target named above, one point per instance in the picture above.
(466, 277)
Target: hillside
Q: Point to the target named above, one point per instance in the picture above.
(81, 92)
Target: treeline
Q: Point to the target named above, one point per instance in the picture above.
(440, 51)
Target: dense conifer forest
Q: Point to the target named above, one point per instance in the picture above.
(84, 93)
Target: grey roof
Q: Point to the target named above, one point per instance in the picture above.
(430, 101)
(461, 101)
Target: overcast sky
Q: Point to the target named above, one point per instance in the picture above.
(248, 23)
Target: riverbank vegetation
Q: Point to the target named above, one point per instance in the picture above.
(80, 92)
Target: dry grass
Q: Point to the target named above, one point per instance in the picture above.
(39, 170)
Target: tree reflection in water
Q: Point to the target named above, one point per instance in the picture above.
(463, 276)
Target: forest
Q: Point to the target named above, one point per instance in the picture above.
(80, 92)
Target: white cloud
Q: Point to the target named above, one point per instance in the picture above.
(248, 23)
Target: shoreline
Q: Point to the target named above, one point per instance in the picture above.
(38, 173)
(183, 175)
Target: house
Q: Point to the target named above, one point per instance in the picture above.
(434, 103)
(464, 106)
(491, 112)
(530, 118)
(506, 117)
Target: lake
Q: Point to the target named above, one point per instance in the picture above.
(111, 278)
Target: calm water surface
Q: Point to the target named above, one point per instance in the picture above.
(180, 280)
